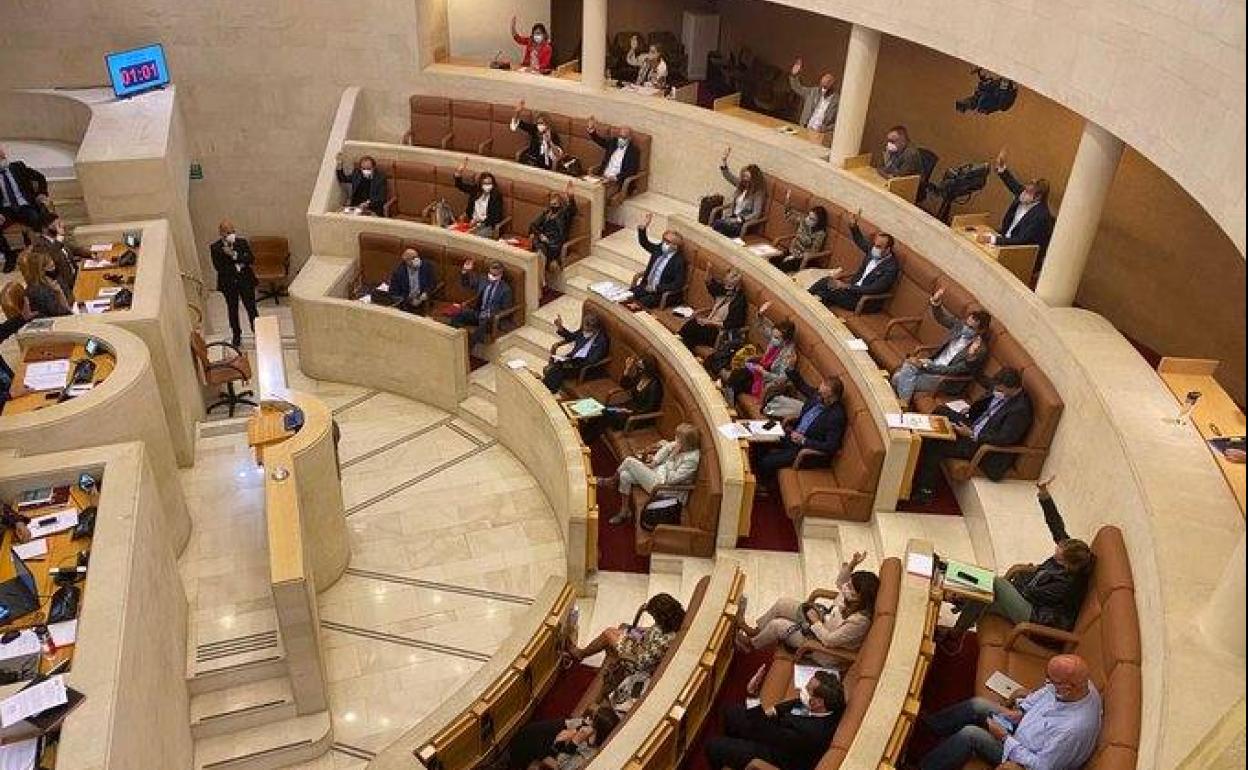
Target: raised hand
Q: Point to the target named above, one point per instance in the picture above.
(1001, 160)
(558, 321)
(858, 558)
(763, 308)
(1042, 486)
(520, 106)
(788, 196)
(463, 166)
(857, 215)
(468, 265)
(568, 189)
(591, 124)
(727, 153)
(797, 66)
(938, 296)
(649, 217)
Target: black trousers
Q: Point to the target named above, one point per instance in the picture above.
(778, 458)
(534, 741)
(646, 298)
(831, 295)
(728, 226)
(694, 334)
(934, 452)
(246, 294)
(558, 371)
(736, 747)
(30, 216)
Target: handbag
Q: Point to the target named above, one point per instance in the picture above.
(783, 406)
(662, 511)
(707, 205)
(441, 214)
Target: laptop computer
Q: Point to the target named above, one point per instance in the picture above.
(19, 596)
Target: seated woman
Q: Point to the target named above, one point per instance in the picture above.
(962, 354)
(538, 50)
(545, 149)
(808, 238)
(651, 65)
(762, 376)
(485, 202)
(562, 744)
(549, 231)
(726, 313)
(641, 393)
(1050, 594)
(749, 200)
(667, 463)
(841, 626)
(43, 294)
(633, 651)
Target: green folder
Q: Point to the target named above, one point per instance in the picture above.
(586, 407)
(969, 576)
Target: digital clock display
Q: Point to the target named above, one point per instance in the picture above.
(138, 70)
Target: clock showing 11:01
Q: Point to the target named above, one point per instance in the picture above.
(138, 70)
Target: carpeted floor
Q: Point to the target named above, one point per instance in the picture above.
(945, 503)
(770, 527)
(617, 547)
(950, 679)
(732, 692)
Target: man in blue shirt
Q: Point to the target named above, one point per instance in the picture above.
(819, 428)
(1053, 728)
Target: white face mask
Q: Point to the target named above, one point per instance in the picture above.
(414, 264)
(623, 142)
(230, 238)
(849, 595)
(539, 38)
(876, 252)
(542, 128)
(367, 172)
(494, 278)
(804, 695)
(488, 186)
(812, 220)
(1026, 199)
(669, 248)
(60, 237)
(892, 147)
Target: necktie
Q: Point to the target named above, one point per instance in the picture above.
(10, 189)
(486, 299)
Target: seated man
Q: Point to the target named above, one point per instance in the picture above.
(493, 296)
(23, 199)
(589, 346)
(1053, 728)
(64, 252)
(412, 281)
(621, 159)
(819, 428)
(792, 735)
(819, 103)
(900, 157)
(367, 186)
(961, 354)
(1001, 418)
(665, 271)
(1028, 221)
(876, 275)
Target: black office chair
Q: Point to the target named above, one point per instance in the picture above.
(930, 159)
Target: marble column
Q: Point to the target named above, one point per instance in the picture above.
(1222, 617)
(594, 44)
(856, 83)
(1080, 215)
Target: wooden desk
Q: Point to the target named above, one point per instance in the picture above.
(1019, 260)
(902, 186)
(943, 432)
(731, 106)
(24, 400)
(89, 282)
(1215, 415)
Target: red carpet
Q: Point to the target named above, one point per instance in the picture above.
(566, 693)
(950, 679)
(549, 294)
(617, 547)
(770, 528)
(733, 691)
(945, 503)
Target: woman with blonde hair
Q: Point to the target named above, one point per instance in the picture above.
(667, 463)
(43, 293)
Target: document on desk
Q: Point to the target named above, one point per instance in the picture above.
(48, 694)
(19, 756)
(959, 406)
(95, 264)
(516, 364)
(25, 645)
(35, 549)
(101, 248)
(611, 291)
(53, 523)
(765, 250)
(46, 375)
(64, 633)
(734, 430)
(759, 428)
(921, 564)
(682, 311)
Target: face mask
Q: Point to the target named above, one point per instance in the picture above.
(968, 332)
(230, 238)
(554, 205)
(892, 147)
(494, 278)
(622, 142)
(777, 340)
(999, 395)
(669, 248)
(539, 38)
(849, 594)
(541, 128)
(876, 252)
(804, 694)
(1026, 199)
(367, 172)
(414, 264)
(59, 237)
(487, 186)
(812, 220)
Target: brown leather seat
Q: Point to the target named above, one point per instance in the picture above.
(1106, 635)
(430, 122)
(471, 126)
(233, 366)
(413, 187)
(272, 265)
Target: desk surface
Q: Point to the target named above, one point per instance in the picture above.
(474, 61)
(777, 124)
(89, 282)
(1215, 415)
(23, 401)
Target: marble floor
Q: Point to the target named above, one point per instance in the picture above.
(450, 539)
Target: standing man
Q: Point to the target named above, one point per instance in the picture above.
(1028, 221)
(819, 103)
(23, 199)
(232, 259)
(367, 186)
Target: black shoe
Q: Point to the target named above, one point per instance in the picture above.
(237, 342)
(10, 266)
(922, 496)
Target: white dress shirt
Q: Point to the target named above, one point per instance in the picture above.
(616, 162)
(481, 208)
(870, 268)
(816, 118)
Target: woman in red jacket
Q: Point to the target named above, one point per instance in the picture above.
(537, 48)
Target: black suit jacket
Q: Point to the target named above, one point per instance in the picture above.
(801, 740)
(401, 282)
(1054, 592)
(494, 209)
(532, 155)
(882, 277)
(500, 300)
(364, 190)
(1036, 226)
(30, 182)
(828, 430)
(673, 277)
(1008, 427)
(632, 155)
(738, 306)
(598, 348)
(233, 272)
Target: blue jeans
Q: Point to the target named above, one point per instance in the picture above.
(962, 726)
(910, 379)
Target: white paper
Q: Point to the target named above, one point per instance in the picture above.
(959, 406)
(734, 430)
(853, 343)
(25, 645)
(1002, 685)
(19, 756)
(517, 364)
(383, 287)
(611, 291)
(738, 241)
(94, 306)
(915, 421)
(81, 389)
(33, 700)
(108, 291)
(921, 564)
(100, 248)
(46, 375)
(95, 264)
(750, 703)
(765, 250)
(682, 311)
(803, 674)
(756, 428)
(56, 522)
(35, 549)
(894, 420)
(366, 299)
(64, 633)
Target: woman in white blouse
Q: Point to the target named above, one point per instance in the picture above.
(668, 463)
(842, 626)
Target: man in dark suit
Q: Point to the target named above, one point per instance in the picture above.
(792, 735)
(1001, 418)
(1028, 221)
(901, 158)
(367, 186)
(876, 275)
(665, 270)
(621, 159)
(590, 345)
(23, 199)
(64, 252)
(232, 259)
(819, 428)
(493, 296)
(412, 281)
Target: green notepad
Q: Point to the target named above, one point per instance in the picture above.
(969, 576)
(586, 407)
